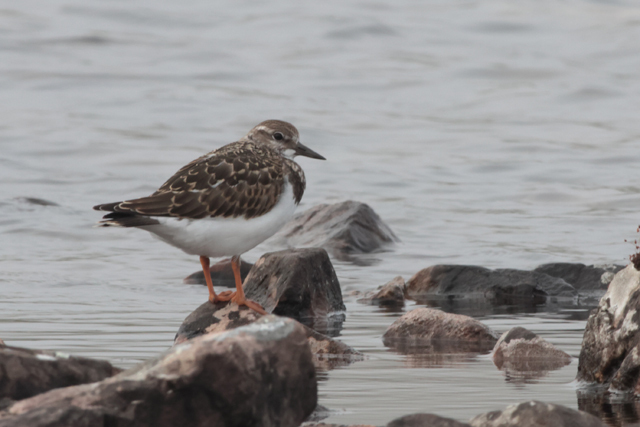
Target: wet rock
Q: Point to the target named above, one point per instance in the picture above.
(433, 330)
(257, 375)
(343, 229)
(296, 283)
(585, 278)
(214, 318)
(609, 353)
(536, 414)
(221, 274)
(330, 353)
(224, 316)
(425, 420)
(390, 294)
(520, 351)
(500, 287)
(25, 373)
(316, 424)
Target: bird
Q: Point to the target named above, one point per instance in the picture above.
(225, 202)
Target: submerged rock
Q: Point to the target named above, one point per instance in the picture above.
(343, 229)
(221, 274)
(257, 375)
(500, 287)
(585, 278)
(536, 414)
(521, 352)
(425, 420)
(430, 329)
(609, 353)
(224, 316)
(388, 295)
(25, 373)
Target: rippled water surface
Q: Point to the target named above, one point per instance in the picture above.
(496, 133)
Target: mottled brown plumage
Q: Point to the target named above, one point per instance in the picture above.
(241, 179)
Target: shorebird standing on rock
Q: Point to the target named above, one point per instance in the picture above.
(225, 202)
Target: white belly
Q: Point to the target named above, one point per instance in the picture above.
(218, 237)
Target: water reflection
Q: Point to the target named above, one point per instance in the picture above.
(615, 411)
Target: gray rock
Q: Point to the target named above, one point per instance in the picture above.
(585, 278)
(389, 295)
(521, 352)
(297, 283)
(536, 414)
(425, 420)
(612, 334)
(25, 373)
(320, 424)
(343, 229)
(224, 316)
(500, 287)
(221, 274)
(435, 331)
(257, 375)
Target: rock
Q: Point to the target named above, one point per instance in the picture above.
(536, 414)
(221, 274)
(257, 375)
(584, 278)
(388, 295)
(330, 353)
(214, 318)
(425, 420)
(609, 352)
(25, 373)
(224, 316)
(343, 229)
(296, 283)
(500, 287)
(521, 352)
(436, 331)
(315, 424)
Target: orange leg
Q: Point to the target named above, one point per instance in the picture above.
(238, 296)
(213, 298)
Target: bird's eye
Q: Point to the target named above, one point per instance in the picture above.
(278, 136)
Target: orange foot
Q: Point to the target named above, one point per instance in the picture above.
(233, 297)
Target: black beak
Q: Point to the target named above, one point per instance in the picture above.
(303, 150)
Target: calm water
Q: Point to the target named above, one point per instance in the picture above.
(484, 132)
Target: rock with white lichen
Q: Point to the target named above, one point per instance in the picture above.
(610, 353)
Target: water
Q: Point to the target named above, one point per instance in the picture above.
(483, 132)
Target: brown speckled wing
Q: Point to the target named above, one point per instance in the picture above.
(237, 180)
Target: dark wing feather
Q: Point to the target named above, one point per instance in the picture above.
(237, 180)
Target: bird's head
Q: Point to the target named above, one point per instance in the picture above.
(283, 137)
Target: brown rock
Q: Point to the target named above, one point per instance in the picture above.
(315, 424)
(388, 295)
(427, 328)
(612, 334)
(224, 316)
(297, 283)
(25, 373)
(520, 352)
(499, 287)
(257, 375)
(221, 274)
(536, 414)
(425, 420)
(343, 229)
